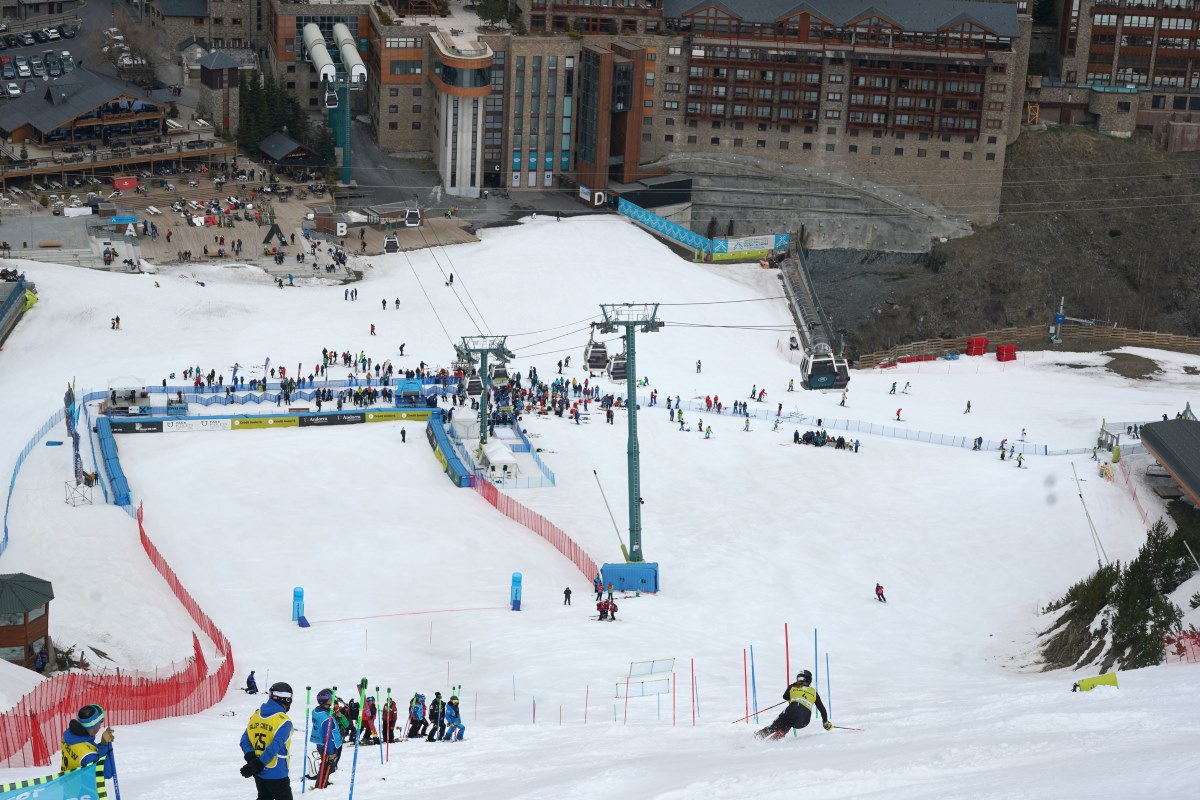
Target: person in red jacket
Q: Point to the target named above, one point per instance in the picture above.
(369, 733)
(389, 719)
(602, 609)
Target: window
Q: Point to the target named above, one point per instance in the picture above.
(691, 140)
(834, 97)
(291, 68)
(645, 137)
(835, 78)
(291, 84)
(405, 68)
(806, 146)
(968, 156)
(417, 92)
(649, 78)
(832, 114)
(1123, 106)
(12, 653)
(416, 109)
(945, 154)
(650, 56)
(830, 131)
(715, 140)
(669, 137)
(991, 140)
(876, 151)
(671, 87)
(921, 153)
(737, 142)
(402, 41)
(393, 109)
(783, 145)
(990, 157)
(829, 148)
(391, 125)
(899, 151)
(761, 144)
(673, 51)
(853, 148)
(670, 105)
(416, 126)
(36, 613)
(393, 92)
(649, 103)
(999, 88)
(218, 21)
(7, 620)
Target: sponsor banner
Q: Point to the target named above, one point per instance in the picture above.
(193, 425)
(258, 423)
(325, 420)
(765, 242)
(86, 782)
(741, 255)
(131, 426)
(399, 416)
(429, 435)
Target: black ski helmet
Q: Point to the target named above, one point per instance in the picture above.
(804, 676)
(324, 697)
(281, 693)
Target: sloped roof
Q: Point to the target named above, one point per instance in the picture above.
(279, 146)
(190, 42)
(924, 16)
(62, 99)
(182, 8)
(20, 593)
(1176, 445)
(218, 60)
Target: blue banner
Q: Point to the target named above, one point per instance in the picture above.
(82, 784)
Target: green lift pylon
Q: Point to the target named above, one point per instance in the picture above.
(631, 317)
(483, 346)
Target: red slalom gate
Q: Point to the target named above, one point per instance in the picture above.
(30, 731)
(535, 522)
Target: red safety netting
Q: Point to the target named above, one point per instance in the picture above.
(29, 732)
(535, 522)
(1181, 647)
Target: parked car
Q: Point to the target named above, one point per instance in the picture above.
(3, 46)
(114, 34)
(68, 64)
(23, 71)
(67, 31)
(26, 39)
(12, 40)
(40, 37)
(8, 72)
(3, 27)
(55, 69)
(52, 34)
(12, 90)
(38, 67)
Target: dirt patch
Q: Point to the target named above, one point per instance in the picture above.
(1190, 370)
(1072, 366)
(1131, 366)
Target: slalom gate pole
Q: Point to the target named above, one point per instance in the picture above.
(673, 684)
(534, 699)
(754, 684)
(586, 691)
(816, 661)
(362, 698)
(626, 720)
(387, 756)
(696, 691)
(379, 723)
(787, 654)
(304, 761)
(746, 684)
(112, 760)
(323, 769)
(768, 708)
(828, 687)
(693, 662)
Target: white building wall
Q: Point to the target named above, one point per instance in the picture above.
(460, 157)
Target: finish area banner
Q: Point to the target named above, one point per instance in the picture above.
(81, 784)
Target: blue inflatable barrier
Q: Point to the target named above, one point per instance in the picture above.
(439, 440)
(112, 464)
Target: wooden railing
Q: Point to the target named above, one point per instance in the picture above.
(1037, 336)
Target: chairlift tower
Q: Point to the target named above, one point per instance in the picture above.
(483, 346)
(631, 317)
(336, 88)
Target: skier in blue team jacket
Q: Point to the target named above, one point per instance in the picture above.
(265, 743)
(327, 737)
(454, 727)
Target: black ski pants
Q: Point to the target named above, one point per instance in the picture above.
(437, 730)
(274, 789)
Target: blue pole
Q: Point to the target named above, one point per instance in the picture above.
(354, 761)
(816, 661)
(753, 685)
(828, 688)
(696, 693)
(112, 759)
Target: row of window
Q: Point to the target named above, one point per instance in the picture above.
(830, 147)
(1143, 21)
(397, 42)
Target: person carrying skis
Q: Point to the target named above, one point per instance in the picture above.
(251, 684)
(437, 718)
(265, 745)
(79, 748)
(327, 737)
(370, 735)
(454, 723)
(801, 698)
(416, 716)
(388, 718)
(879, 593)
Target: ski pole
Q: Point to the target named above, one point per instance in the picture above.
(847, 728)
(362, 698)
(330, 722)
(378, 721)
(112, 760)
(768, 708)
(392, 730)
(304, 761)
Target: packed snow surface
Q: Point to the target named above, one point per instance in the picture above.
(407, 577)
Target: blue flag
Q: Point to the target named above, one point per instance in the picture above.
(86, 783)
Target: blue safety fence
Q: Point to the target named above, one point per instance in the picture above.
(47, 426)
(15, 298)
(274, 385)
(506, 482)
(813, 422)
(112, 464)
(87, 426)
(443, 450)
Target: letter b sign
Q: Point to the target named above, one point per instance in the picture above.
(341, 229)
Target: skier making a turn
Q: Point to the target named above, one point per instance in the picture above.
(801, 698)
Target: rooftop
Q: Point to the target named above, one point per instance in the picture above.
(65, 98)
(20, 593)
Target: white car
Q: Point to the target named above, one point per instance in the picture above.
(12, 90)
(114, 34)
(52, 34)
(130, 61)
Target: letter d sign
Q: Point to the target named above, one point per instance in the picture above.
(341, 229)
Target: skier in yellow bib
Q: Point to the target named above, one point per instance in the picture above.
(79, 748)
(801, 699)
(265, 745)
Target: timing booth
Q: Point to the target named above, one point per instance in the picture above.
(499, 461)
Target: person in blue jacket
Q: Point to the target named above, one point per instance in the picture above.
(79, 748)
(265, 745)
(454, 726)
(251, 684)
(327, 736)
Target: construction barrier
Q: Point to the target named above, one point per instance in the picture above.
(1181, 647)
(30, 731)
(535, 522)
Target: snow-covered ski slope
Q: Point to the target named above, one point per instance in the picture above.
(751, 532)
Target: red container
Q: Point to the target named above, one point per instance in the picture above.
(977, 345)
(1006, 352)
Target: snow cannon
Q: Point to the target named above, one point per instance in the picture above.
(515, 594)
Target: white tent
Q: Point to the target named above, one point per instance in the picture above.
(499, 459)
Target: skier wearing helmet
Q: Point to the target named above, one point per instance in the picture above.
(801, 698)
(454, 723)
(265, 745)
(79, 748)
(327, 737)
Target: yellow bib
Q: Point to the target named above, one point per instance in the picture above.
(73, 754)
(805, 695)
(261, 731)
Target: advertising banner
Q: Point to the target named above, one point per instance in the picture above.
(399, 416)
(325, 420)
(74, 785)
(194, 425)
(258, 423)
(130, 426)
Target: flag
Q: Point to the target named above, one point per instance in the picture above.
(84, 782)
